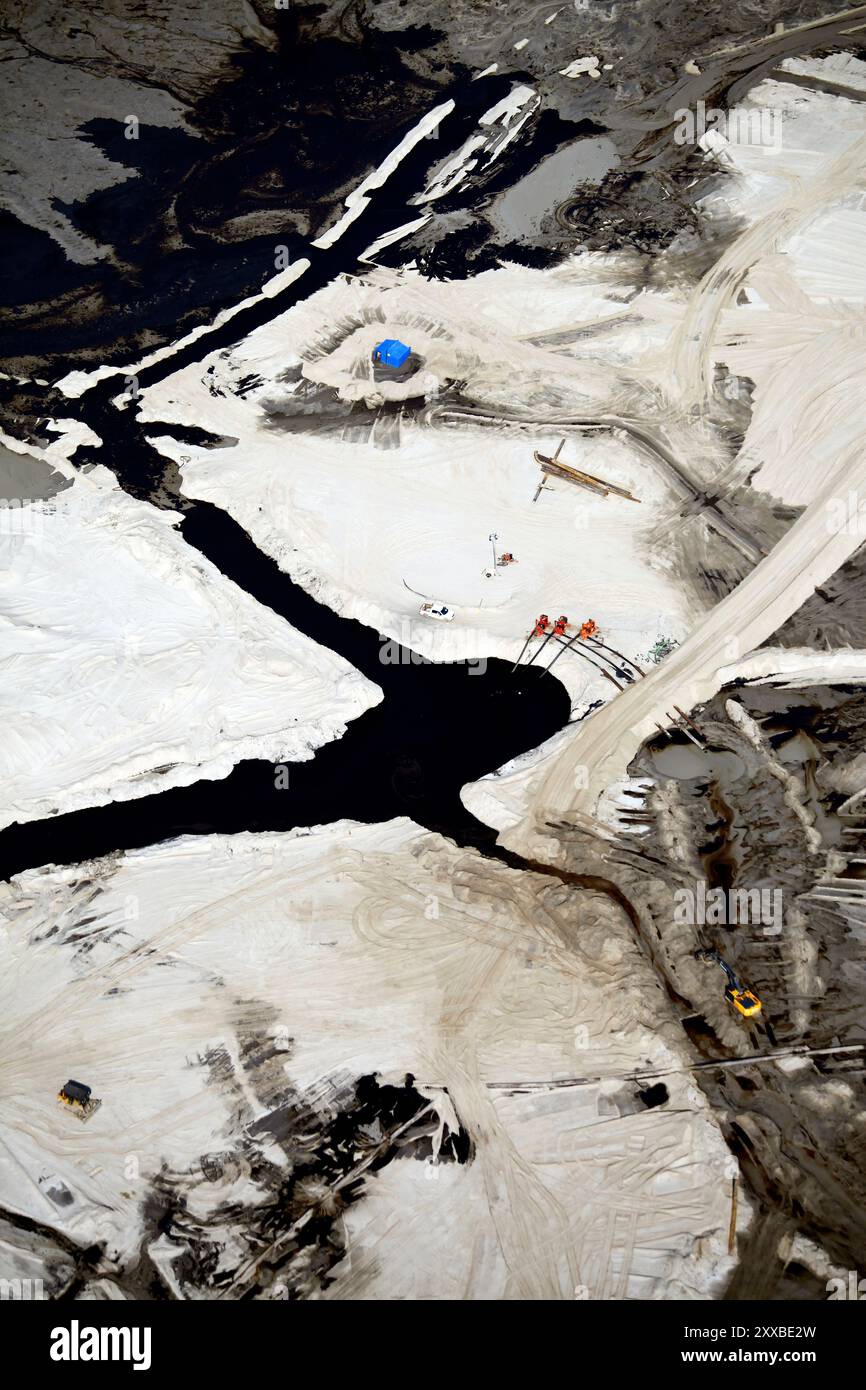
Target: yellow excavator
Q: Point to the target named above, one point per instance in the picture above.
(744, 1000)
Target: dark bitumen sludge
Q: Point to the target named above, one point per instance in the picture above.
(440, 724)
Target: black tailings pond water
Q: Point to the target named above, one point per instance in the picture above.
(407, 757)
(439, 726)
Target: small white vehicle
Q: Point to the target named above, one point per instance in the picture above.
(434, 609)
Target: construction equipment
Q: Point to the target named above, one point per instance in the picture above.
(590, 632)
(573, 644)
(684, 724)
(540, 630)
(557, 630)
(744, 1000)
(682, 727)
(688, 720)
(78, 1098)
(542, 623)
(556, 469)
(391, 353)
(587, 635)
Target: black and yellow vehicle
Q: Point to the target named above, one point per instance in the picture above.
(744, 1000)
(79, 1099)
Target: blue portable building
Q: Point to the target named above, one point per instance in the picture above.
(391, 352)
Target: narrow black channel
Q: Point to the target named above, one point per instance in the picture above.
(407, 757)
(439, 725)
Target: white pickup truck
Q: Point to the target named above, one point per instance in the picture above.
(437, 610)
